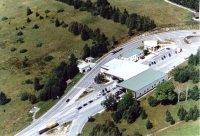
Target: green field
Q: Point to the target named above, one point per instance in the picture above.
(191, 128)
(57, 42)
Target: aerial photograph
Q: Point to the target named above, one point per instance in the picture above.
(99, 68)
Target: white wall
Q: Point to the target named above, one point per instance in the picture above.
(149, 87)
(134, 57)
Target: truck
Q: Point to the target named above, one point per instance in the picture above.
(47, 127)
(116, 50)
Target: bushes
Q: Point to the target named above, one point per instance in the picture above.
(28, 11)
(13, 49)
(48, 58)
(35, 26)
(64, 25)
(24, 96)
(19, 33)
(28, 81)
(39, 45)
(47, 11)
(60, 10)
(28, 20)
(20, 40)
(4, 18)
(27, 73)
(3, 99)
(23, 50)
(149, 125)
(152, 101)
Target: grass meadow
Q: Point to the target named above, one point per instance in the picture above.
(57, 42)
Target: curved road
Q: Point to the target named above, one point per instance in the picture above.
(63, 112)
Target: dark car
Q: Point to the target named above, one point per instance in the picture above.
(103, 94)
(108, 91)
(105, 89)
(79, 108)
(85, 104)
(154, 62)
(90, 101)
(67, 100)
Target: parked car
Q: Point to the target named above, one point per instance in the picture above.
(85, 104)
(105, 89)
(67, 100)
(90, 101)
(79, 108)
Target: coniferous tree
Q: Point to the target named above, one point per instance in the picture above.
(86, 51)
(28, 11)
(143, 115)
(37, 14)
(28, 20)
(36, 84)
(84, 35)
(3, 98)
(149, 124)
(57, 23)
(168, 116)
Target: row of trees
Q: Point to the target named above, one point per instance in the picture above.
(105, 10)
(56, 84)
(193, 114)
(192, 4)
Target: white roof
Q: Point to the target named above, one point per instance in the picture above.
(151, 43)
(83, 65)
(124, 69)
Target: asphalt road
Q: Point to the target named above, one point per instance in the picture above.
(63, 112)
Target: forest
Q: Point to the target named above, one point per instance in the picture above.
(192, 4)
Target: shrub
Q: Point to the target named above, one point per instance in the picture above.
(47, 11)
(4, 18)
(32, 98)
(136, 133)
(41, 17)
(28, 20)
(39, 45)
(64, 25)
(28, 11)
(60, 10)
(149, 125)
(37, 14)
(91, 119)
(13, 49)
(24, 96)
(27, 73)
(172, 122)
(152, 101)
(20, 40)
(3, 98)
(23, 50)
(28, 81)
(19, 33)
(123, 129)
(35, 26)
(48, 58)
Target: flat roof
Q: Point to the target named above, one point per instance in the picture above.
(131, 53)
(151, 43)
(83, 65)
(141, 80)
(123, 68)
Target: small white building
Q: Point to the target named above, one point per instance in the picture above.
(133, 55)
(83, 67)
(89, 59)
(151, 46)
(143, 82)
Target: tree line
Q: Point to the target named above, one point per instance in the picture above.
(56, 84)
(192, 4)
(100, 41)
(104, 9)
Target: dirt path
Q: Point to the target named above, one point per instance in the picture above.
(180, 6)
(163, 129)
